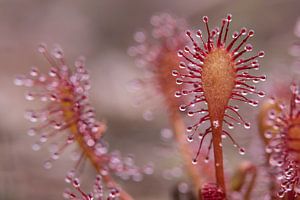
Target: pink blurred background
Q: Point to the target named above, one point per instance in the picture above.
(102, 31)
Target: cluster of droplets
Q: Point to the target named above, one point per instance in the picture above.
(96, 194)
(195, 58)
(167, 35)
(157, 56)
(125, 167)
(284, 156)
(65, 94)
(66, 109)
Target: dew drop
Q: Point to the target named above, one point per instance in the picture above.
(190, 138)
(206, 160)
(248, 47)
(36, 147)
(42, 78)
(253, 103)
(148, 169)
(184, 92)
(261, 54)
(52, 72)
(251, 33)
(100, 150)
(182, 108)
(194, 161)
(268, 134)
(31, 132)
(186, 49)
(229, 17)
(190, 113)
(256, 67)
(247, 125)
(95, 129)
(175, 73)
(188, 32)
(55, 156)
(180, 53)
(139, 37)
(33, 118)
(182, 65)
(272, 114)
(177, 94)
(235, 34)
(268, 149)
(104, 172)
(179, 81)
(183, 188)
(280, 163)
(70, 175)
(34, 72)
(263, 78)
(230, 126)
(47, 165)
(67, 194)
(282, 106)
(57, 53)
(199, 33)
(236, 108)
(224, 136)
(261, 94)
(76, 183)
(166, 134)
(244, 93)
(42, 48)
(189, 129)
(19, 81)
(256, 80)
(43, 138)
(243, 31)
(148, 115)
(57, 126)
(242, 151)
(70, 139)
(90, 142)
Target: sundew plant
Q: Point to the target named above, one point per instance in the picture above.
(230, 124)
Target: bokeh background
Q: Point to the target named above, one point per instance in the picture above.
(102, 30)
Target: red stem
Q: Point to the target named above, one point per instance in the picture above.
(218, 157)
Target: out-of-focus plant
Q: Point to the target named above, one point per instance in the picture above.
(68, 115)
(156, 53)
(279, 127)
